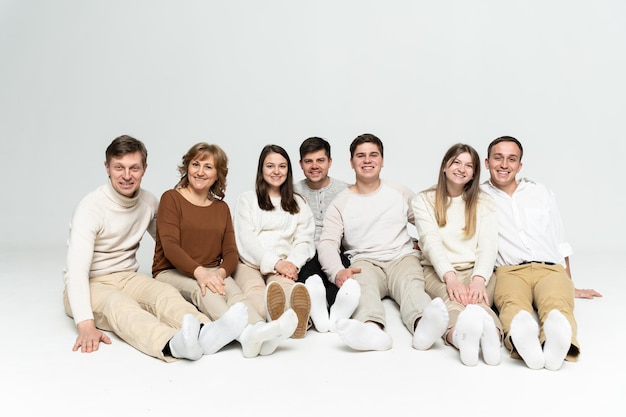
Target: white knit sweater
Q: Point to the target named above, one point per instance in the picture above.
(105, 232)
(446, 248)
(264, 237)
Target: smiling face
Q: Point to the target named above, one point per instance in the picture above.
(315, 166)
(202, 173)
(126, 172)
(275, 169)
(367, 162)
(503, 163)
(459, 171)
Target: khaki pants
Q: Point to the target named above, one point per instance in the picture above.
(436, 288)
(142, 311)
(535, 287)
(212, 304)
(401, 279)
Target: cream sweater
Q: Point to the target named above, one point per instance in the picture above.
(446, 248)
(264, 237)
(371, 226)
(105, 232)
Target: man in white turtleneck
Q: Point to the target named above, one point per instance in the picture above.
(104, 291)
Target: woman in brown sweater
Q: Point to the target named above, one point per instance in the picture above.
(196, 251)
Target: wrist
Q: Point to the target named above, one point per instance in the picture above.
(450, 275)
(197, 271)
(276, 265)
(478, 278)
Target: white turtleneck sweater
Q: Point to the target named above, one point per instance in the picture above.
(105, 232)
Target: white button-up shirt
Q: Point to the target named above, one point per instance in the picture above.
(529, 223)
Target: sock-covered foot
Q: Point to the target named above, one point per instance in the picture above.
(558, 333)
(490, 342)
(287, 324)
(346, 302)
(216, 335)
(525, 337)
(363, 336)
(185, 343)
(319, 308)
(254, 335)
(432, 325)
(467, 332)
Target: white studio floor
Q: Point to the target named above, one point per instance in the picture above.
(314, 376)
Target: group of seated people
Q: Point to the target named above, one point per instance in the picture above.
(489, 265)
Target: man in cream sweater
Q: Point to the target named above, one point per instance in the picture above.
(370, 220)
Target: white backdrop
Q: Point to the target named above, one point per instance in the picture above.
(421, 75)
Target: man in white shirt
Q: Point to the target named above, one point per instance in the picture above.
(370, 220)
(532, 266)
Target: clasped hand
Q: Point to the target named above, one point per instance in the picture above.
(474, 293)
(211, 279)
(287, 269)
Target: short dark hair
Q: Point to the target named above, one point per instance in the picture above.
(506, 139)
(123, 145)
(366, 138)
(314, 144)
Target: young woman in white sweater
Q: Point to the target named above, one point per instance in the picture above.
(274, 231)
(458, 235)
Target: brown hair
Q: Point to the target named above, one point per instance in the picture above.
(123, 145)
(506, 139)
(287, 195)
(199, 152)
(471, 191)
(366, 138)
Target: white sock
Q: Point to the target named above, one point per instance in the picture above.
(254, 335)
(346, 302)
(363, 336)
(558, 333)
(467, 332)
(319, 308)
(432, 325)
(287, 322)
(185, 344)
(525, 337)
(490, 342)
(216, 335)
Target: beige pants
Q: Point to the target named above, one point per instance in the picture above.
(401, 279)
(436, 288)
(140, 310)
(212, 304)
(253, 283)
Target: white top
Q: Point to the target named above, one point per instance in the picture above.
(530, 226)
(264, 237)
(370, 226)
(446, 248)
(105, 232)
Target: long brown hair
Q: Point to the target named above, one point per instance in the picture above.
(471, 191)
(287, 195)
